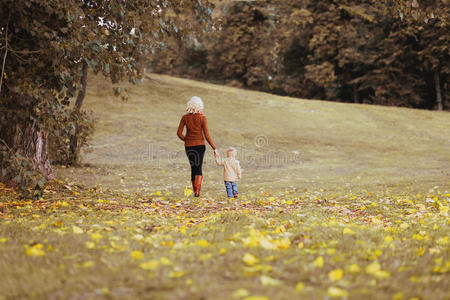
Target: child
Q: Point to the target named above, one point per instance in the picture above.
(231, 171)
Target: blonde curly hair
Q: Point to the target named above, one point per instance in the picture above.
(194, 105)
(232, 151)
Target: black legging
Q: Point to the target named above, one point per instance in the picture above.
(195, 155)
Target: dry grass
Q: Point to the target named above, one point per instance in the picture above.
(307, 144)
(353, 184)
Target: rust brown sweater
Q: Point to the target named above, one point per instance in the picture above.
(196, 125)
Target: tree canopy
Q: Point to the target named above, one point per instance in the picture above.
(45, 47)
(379, 52)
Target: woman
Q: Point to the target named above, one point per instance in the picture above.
(194, 143)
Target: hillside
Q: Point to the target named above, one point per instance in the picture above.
(281, 141)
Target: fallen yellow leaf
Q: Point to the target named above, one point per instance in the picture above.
(348, 231)
(269, 281)
(300, 286)
(404, 225)
(77, 229)
(375, 270)
(250, 259)
(35, 250)
(266, 244)
(256, 298)
(398, 296)
(138, 255)
(187, 192)
(96, 236)
(336, 292)
(203, 243)
(283, 243)
(239, 293)
(165, 261)
(318, 262)
(354, 268)
(336, 275)
(177, 274)
(150, 265)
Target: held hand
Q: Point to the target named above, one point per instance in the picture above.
(216, 152)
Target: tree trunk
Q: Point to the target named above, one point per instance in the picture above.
(355, 94)
(437, 84)
(82, 92)
(73, 147)
(32, 142)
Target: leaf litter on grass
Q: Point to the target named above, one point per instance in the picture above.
(340, 247)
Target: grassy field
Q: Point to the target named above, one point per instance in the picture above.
(336, 201)
(281, 142)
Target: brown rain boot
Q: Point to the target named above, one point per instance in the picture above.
(198, 185)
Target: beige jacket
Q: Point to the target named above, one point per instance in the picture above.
(231, 168)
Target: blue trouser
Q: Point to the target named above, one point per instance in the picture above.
(231, 187)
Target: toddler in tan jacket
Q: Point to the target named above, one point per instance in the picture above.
(231, 171)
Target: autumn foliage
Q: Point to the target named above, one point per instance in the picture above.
(378, 52)
(47, 48)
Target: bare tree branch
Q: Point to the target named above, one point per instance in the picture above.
(4, 57)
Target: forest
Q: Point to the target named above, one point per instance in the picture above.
(376, 52)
